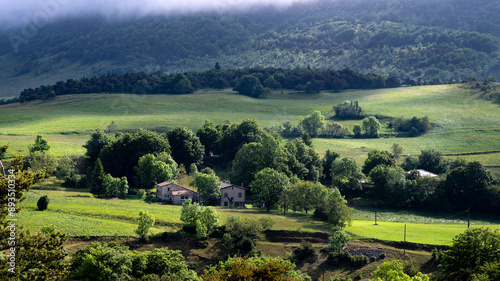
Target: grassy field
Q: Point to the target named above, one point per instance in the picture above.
(77, 213)
(463, 121)
(424, 233)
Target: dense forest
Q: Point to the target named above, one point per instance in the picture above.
(452, 40)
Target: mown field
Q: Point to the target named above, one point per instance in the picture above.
(77, 213)
(463, 121)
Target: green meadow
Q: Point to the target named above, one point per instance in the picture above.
(463, 122)
(77, 213)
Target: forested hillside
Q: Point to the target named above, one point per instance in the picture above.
(449, 40)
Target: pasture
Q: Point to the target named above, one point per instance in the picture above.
(77, 213)
(464, 122)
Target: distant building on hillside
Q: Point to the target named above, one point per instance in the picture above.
(232, 195)
(174, 193)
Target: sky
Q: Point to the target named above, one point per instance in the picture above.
(15, 13)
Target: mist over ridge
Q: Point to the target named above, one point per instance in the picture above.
(41, 12)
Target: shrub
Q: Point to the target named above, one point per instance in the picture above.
(359, 261)
(228, 241)
(410, 269)
(382, 256)
(338, 241)
(436, 254)
(141, 194)
(303, 252)
(102, 262)
(43, 203)
(146, 221)
(246, 230)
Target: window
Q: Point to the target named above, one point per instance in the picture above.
(240, 195)
(226, 204)
(184, 197)
(226, 195)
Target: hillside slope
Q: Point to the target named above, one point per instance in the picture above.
(450, 39)
(464, 121)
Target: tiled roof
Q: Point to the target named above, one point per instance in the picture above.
(182, 192)
(224, 185)
(173, 185)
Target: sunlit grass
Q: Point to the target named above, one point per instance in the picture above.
(463, 122)
(436, 234)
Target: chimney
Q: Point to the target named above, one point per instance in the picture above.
(241, 184)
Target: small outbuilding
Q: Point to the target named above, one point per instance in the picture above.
(232, 195)
(174, 193)
(424, 173)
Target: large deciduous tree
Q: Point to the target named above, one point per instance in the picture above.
(249, 85)
(255, 156)
(186, 146)
(269, 186)
(472, 255)
(98, 140)
(377, 157)
(121, 156)
(467, 186)
(433, 161)
(346, 173)
(209, 188)
(209, 136)
(371, 126)
(311, 124)
(151, 169)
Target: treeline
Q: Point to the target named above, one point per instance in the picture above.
(301, 79)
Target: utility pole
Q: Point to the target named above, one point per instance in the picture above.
(404, 253)
(468, 218)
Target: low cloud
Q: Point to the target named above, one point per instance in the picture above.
(22, 12)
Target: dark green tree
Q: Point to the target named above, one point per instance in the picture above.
(467, 186)
(377, 157)
(303, 160)
(268, 187)
(186, 146)
(209, 188)
(433, 161)
(255, 156)
(235, 135)
(371, 126)
(41, 145)
(311, 124)
(346, 173)
(98, 140)
(97, 179)
(209, 136)
(43, 203)
(181, 84)
(249, 85)
(470, 254)
(121, 156)
(327, 162)
(151, 170)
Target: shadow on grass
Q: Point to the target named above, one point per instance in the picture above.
(307, 221)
